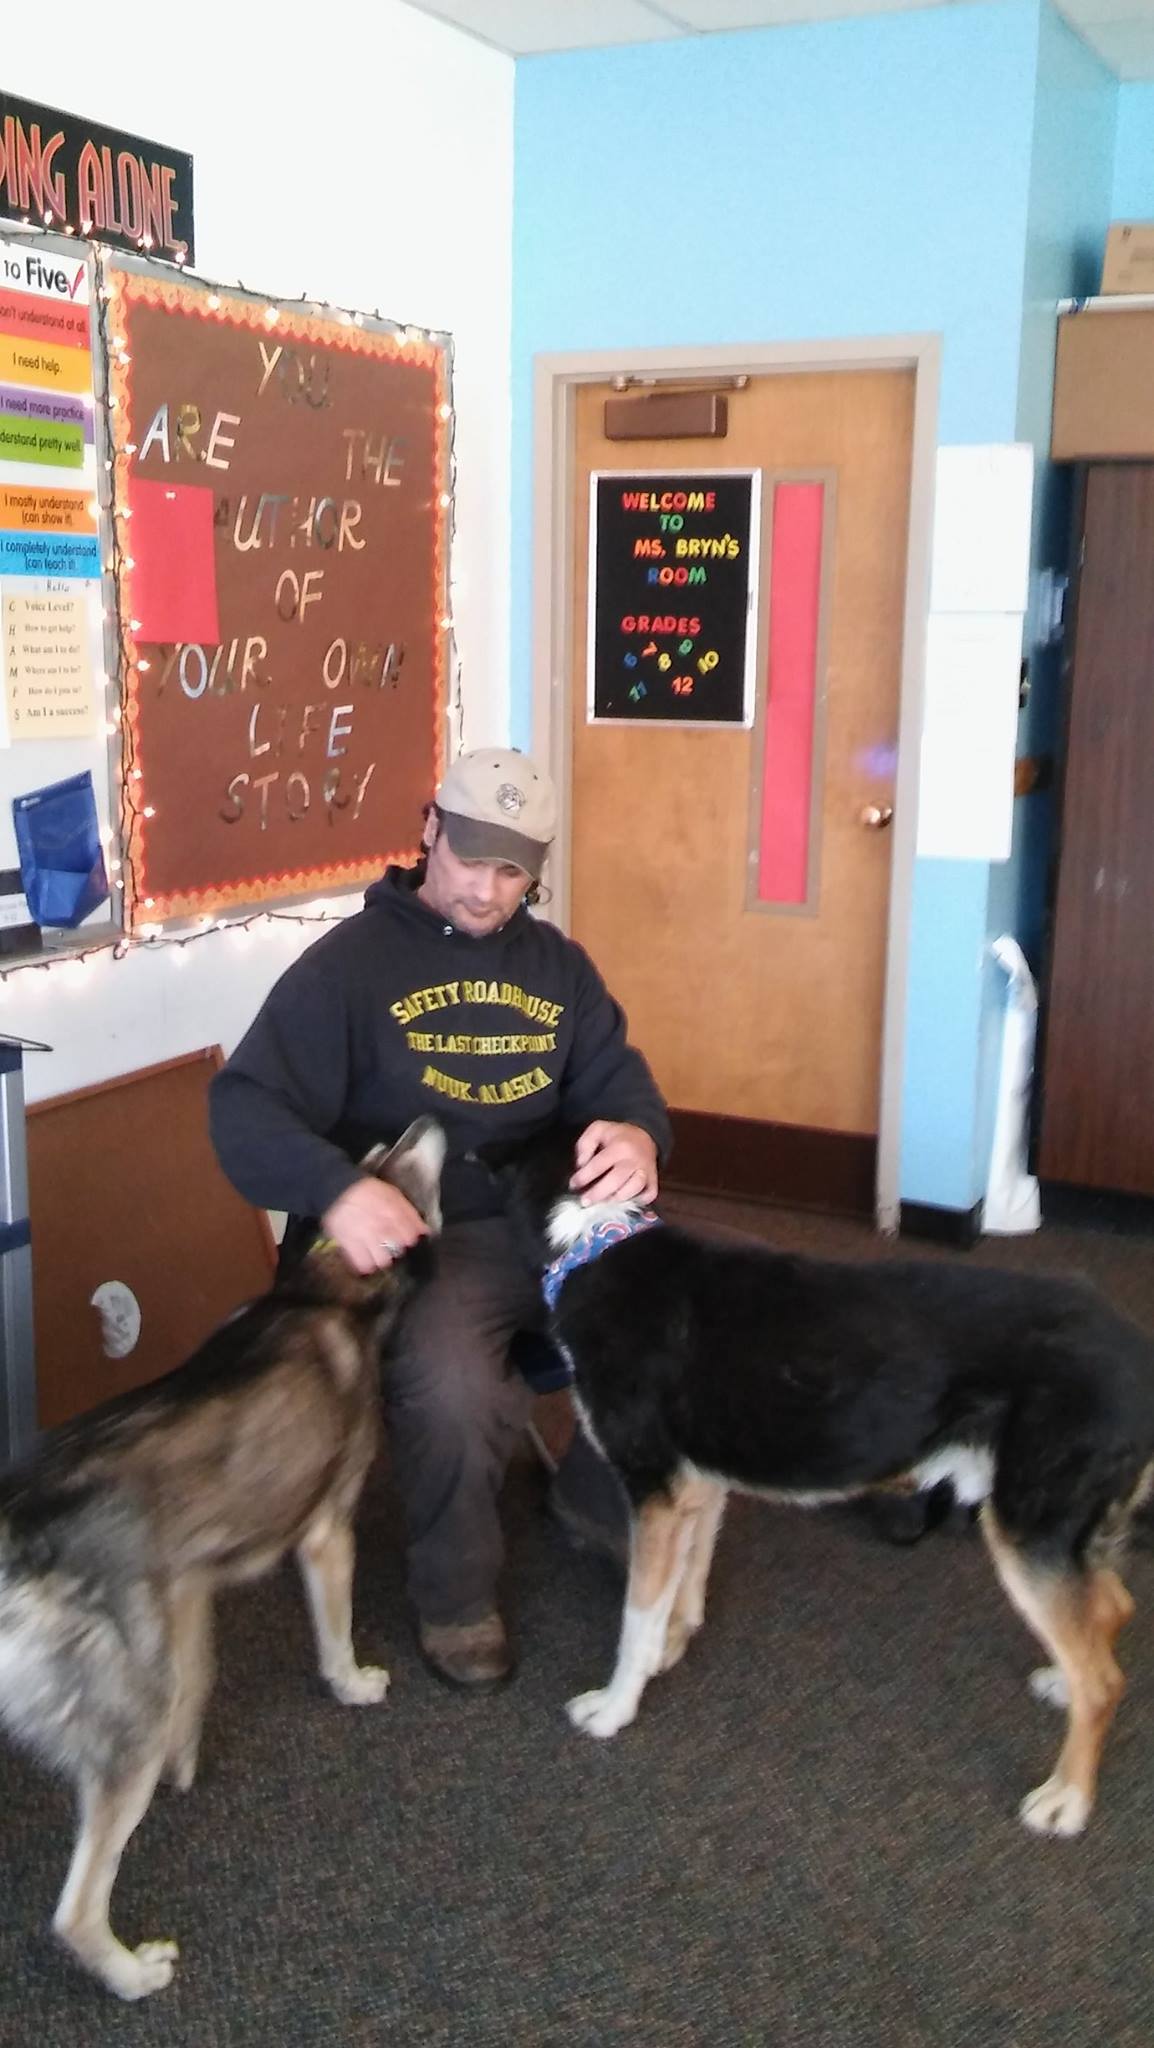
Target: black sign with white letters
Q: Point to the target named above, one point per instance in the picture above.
(60, 171)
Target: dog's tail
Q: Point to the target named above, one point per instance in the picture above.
(84, 1645)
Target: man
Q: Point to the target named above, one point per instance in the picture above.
(444, 996)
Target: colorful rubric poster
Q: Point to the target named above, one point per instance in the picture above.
(50, 560)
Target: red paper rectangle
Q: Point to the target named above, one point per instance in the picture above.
(791, 692)
(171, 587)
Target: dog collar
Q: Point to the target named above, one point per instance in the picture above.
(601, 1237)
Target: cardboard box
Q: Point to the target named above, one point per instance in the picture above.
(1104, 385)
(1129, 264)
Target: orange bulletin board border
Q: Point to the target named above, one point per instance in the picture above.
(154, 893)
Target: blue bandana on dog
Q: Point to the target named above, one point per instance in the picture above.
(600, 1237)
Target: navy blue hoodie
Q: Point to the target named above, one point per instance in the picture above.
(396, 1014)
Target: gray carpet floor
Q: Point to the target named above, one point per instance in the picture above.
(808, 1839)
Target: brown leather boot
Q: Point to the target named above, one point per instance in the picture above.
(473, 1655)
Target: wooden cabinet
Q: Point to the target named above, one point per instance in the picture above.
(1097, 1105)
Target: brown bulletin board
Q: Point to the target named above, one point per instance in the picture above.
(125, 1196)
(282, 487)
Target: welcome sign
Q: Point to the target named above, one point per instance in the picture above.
(672, 628)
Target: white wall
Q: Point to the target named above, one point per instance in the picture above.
(359, 154)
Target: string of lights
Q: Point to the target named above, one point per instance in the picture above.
(118, 946)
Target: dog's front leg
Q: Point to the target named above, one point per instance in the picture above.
(660, 1544)
(326, 1556)
(109, 1811)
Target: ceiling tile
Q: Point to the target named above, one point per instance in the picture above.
(712, 15)
(1121, 31)
(1127, 47)
(1083, 13)
(527, 27)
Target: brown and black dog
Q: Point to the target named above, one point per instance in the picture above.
(702, 1367)
(115, 1536)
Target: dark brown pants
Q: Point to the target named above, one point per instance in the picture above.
(454, 1410)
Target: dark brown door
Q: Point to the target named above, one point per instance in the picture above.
(1098, 1104)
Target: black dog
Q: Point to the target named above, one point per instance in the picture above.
(701, 1367)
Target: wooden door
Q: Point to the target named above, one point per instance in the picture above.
(1097, 1124)
(761, 1018)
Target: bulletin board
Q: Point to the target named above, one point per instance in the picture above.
(140, 1246)
(282, 495)
(673, 560)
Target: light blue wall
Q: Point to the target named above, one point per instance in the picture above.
(860, 177)
(1134, 159)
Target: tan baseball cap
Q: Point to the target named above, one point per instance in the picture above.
(496, 805)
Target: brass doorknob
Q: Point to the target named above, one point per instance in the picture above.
(875, 817)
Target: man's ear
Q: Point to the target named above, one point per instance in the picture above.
(431, 832)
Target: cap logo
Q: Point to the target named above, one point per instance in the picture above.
(511, 799)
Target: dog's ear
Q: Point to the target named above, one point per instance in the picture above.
(414, 1165)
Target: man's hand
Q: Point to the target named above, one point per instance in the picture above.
(373, 1224)
(615, 1163)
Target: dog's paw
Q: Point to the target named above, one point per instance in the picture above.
(600, 1713)
(144, 1970)
(1049, 1685)
(1055, 1808)
(364, 1686)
